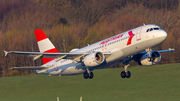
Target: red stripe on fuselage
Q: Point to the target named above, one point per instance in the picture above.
(39, 35)
(130, 38)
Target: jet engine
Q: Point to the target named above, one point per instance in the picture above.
(94, 59)
(145, 60)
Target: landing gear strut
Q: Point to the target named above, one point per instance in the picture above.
(148, 50)
(88, 74)
(126, 73)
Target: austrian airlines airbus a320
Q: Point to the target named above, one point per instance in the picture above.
(134, 44)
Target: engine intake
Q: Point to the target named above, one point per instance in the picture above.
(94, 59)
(145, 60)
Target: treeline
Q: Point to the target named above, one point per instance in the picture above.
(75, 23)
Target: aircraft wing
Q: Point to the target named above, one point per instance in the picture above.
(29, 68)
(73, 56)
(160, 51)
(168, 50)
(46, 55)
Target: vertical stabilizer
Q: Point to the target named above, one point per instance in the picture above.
(45, 45)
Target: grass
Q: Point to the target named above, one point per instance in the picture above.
(154, 83)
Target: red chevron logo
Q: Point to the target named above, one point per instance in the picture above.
(130, 38)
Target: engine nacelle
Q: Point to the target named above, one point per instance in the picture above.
(94, 59)
(146, 61)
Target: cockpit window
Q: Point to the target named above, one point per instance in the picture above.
(147, 30)
(156, 28)
(151, 29)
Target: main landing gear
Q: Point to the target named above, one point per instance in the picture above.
(88, 74)
(126, 73)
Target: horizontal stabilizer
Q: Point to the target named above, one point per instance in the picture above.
(29, 68)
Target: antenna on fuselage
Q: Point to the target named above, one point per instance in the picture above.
(144, 24)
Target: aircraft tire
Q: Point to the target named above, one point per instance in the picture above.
(91, 75)
(86, 75)
(123, 74)
(128, 75)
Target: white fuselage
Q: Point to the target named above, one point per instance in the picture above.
(122, 47)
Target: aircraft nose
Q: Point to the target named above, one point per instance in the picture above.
(162, 35)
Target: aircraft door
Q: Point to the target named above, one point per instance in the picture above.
(138, 34)
(55, 66)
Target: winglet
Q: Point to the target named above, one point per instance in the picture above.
(6, 53)
(171, 50)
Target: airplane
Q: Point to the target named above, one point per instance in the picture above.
(135, 44)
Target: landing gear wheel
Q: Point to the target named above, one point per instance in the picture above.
(123, 74)
(86, 75)
(128, 74)
(91, 75)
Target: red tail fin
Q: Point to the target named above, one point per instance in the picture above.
(44, 45)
